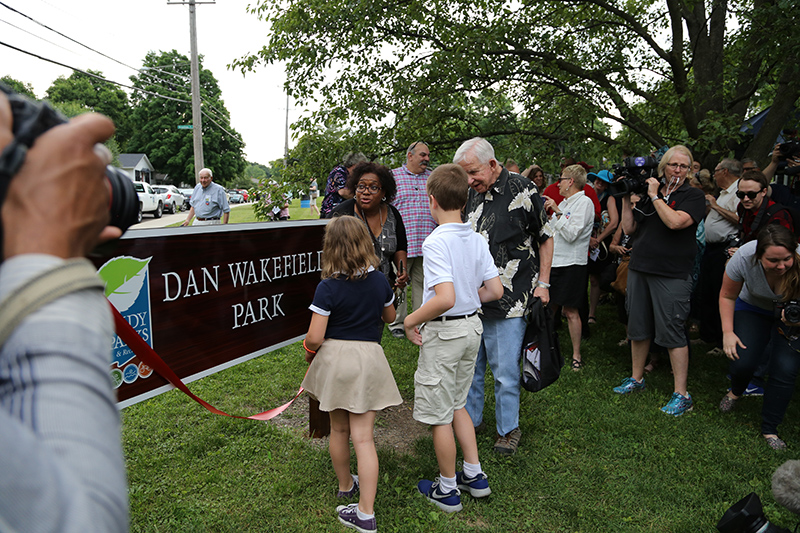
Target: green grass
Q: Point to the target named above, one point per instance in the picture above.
(244, 213)
(589, 460)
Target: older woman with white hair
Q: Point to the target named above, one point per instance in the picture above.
(572, 221)
(663, 226)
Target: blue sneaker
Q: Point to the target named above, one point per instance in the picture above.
(753, 390)
(478, 486)
(629, 385)
(678, 404)
(449, 502)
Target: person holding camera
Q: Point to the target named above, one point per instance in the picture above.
(760, 273)
(60, 448)
(663, 228)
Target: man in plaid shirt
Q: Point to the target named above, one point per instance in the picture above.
(412, 202)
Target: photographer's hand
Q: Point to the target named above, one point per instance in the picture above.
(57, 203)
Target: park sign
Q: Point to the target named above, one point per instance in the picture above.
(207, 298)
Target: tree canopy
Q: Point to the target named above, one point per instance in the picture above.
(658, 71)
(80, 93)
(155, 119)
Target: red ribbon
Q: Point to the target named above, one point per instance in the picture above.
(149, 357)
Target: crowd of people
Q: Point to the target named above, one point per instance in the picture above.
(690, 250)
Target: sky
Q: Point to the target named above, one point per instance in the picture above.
(127, 31)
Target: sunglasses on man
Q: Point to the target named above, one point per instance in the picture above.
(750, 194)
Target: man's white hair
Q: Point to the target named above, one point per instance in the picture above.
(478, 147)
(210, 174)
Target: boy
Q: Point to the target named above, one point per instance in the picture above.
(459, 275)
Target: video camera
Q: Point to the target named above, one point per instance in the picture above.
(31, 119)
(631, 176)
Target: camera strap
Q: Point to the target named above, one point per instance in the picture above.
(71, 276)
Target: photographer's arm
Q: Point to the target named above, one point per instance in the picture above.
(727, 302)
(674, 220)
(769, 171)
(60, 425)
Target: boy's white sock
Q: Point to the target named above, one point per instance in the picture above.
(471, 470)
(447, 483)
(363, 516)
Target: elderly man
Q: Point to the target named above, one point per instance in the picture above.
(507, 210)
(209, 202)
(721, 224)
(412, 202)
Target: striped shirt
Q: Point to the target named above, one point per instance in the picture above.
(412, 202)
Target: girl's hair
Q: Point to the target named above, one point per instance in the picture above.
(347, 249)
(777, 235)
(384, 176)
(677, 149)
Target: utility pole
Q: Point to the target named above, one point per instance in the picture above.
(286, 145)
(197, 117)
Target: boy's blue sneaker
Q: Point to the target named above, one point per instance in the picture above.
(449, 502)
(678, 404)
(629, 385)
(478, 486)
(348, 516)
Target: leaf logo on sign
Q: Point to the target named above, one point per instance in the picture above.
(124, 277)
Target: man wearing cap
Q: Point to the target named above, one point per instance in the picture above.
(209, 202)
(412, 202)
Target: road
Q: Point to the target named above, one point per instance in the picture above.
(150, 222)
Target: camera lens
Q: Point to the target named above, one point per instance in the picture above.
(124, 205)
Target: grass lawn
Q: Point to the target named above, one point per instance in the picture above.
(589, 460)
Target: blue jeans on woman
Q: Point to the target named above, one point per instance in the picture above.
(501, 347)
(756, 330)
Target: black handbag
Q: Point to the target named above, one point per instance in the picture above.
(541, 351)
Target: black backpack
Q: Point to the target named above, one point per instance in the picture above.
(541, 351)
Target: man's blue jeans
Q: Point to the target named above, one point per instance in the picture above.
(501, 346)
(755, 331)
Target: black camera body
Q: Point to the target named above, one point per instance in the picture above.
(790, 149)
(631, 176)
(791, 310)
(30, 120)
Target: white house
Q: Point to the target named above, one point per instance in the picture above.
(137, 167)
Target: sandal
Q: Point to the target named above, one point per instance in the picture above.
(577, 365)
(775, 443)
(592, 320)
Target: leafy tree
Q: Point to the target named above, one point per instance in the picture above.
(664, 70)
(92, 94)
(154, 121)
(18, 86)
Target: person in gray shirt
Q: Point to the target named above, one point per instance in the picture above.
(209, 203)
(61, 462)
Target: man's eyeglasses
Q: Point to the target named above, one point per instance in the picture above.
(372, 188)
(750, 194)
(678, 165)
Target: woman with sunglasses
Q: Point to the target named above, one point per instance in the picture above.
(756, 209)
(761, 273)
(663, 227)
(375, 188)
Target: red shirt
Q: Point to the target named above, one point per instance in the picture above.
(747, 218)
(552, 192)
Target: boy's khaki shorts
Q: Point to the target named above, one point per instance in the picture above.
(445, 368)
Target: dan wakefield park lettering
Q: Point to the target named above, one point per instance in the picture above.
(210, 297)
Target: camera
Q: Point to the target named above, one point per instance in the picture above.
(791, 310)
(747, 516)
(631, 176)
(789, 149)
(733, 241)
(31, 119)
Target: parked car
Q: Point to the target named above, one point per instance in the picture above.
(235, 197)
(149, 200)
(187, 197)
(244, 194)
(173, 199)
